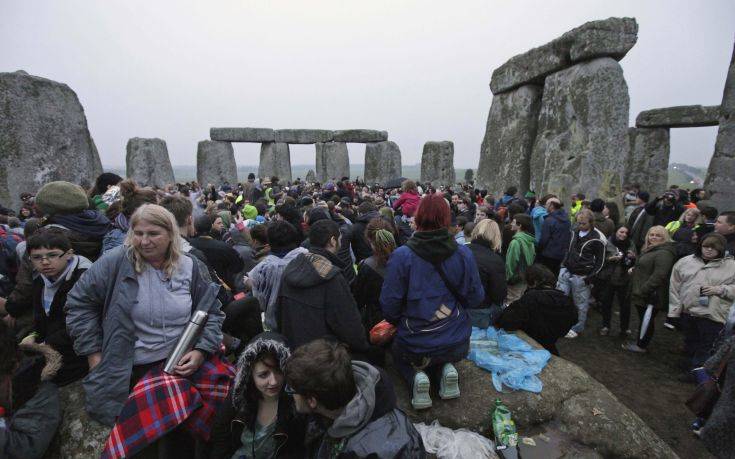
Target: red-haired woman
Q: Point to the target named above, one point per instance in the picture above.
(429, 282)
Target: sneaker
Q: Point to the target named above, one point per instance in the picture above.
(604, 331)
(571, 334)
(449, 384)
(421, 398)
(633, 347)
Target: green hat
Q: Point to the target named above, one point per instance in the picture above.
(249, 211)
(61, 198)
(529, 194)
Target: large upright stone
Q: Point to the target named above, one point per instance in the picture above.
(303, 136)
(647, 162)
(582, 135)
(216, 163)
(382, 162)
(246, 134)
(275, 160)
(678, 117)
(147, 162)
(612, 37)
(505, 155)
(43, 137)
(437, 163)
(332, 161)
(720, 180)
(360, 136)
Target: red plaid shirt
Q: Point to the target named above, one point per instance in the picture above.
(160, 402)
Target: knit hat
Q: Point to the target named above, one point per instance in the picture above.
(249, 211)
(61, 198)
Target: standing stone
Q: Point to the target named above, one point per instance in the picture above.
(332, 161)
(148, 163)
(310, 176)
(648, 159)
(720, 180)
(275, 160)
(382, 162)
(505, 155)
(43, 137)
(437, 163)
(582, 135)
(216, 163)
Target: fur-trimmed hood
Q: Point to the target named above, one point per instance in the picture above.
(53, 358)
(264, 342)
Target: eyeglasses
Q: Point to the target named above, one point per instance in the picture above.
(53, 256)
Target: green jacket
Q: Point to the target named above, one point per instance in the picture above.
(520, 255)
(650, 279)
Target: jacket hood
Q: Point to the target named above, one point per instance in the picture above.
(523, 236)
(559, 215)
(365, 218)
(359, 411)
(668, 246)
(539, 211)
(89, 222)
(264, 342)
(52, 358)
(308, 270)
(433, 246)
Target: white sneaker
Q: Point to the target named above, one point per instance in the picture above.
(571, 334)
(421, 399)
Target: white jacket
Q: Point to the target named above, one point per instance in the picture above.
(689, 274)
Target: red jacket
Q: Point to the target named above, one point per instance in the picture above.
(408, 202)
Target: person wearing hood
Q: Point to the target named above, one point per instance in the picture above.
(351, 406)
(556, 232)
(258, 419)
(314, 299)
(650, 284)
(520, 255)
(429, 284)
(132, 198)
(538, 215)
(58, 270)
(543, 312)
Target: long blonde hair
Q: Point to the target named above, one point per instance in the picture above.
(659, 229)
(161, 217)
(488, 230)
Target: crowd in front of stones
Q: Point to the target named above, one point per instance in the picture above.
(313, 292)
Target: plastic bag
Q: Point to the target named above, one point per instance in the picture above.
(513, 362)
(382, 333)
(446, 443)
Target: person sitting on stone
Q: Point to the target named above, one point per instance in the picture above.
(351, 406)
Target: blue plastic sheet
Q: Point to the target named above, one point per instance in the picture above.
(513, 362)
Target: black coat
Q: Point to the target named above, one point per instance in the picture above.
(360, 246)
(221, 256)
(492, 272)
(366, 290)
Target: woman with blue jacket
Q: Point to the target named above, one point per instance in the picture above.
(429, 282)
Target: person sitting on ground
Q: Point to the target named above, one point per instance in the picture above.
(429, 284)
(132, 198)
(543, 312)
(351, 406)
(519, 256)
(485, 244)
(258, 419)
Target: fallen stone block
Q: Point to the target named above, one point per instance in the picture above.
(303, 136)
(679, 117)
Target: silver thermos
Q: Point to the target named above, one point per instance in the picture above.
(186, 341)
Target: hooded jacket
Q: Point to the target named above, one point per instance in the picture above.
(360, 246)
(85, 230)
(369, 426)
(314, 301)
(538, 215)
(689, 274)
(520, 255)
(408, 203)
(649, 282)
(414, 297)
(556, 233)
(492, 272)
(586, 255)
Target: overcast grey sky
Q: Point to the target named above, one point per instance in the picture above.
(418, 69)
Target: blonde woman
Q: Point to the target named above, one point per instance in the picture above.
(129, 309)
(650, 283)
(485, 244)
(683, 230)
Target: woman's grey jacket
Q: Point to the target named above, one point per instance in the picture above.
(98, 320)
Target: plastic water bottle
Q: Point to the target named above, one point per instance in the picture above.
(506, 436)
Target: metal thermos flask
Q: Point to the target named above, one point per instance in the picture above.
(186, 341)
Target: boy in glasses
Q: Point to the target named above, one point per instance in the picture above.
(58, 270)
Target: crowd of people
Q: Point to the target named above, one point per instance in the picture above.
(312, 290)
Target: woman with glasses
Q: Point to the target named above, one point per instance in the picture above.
(259, 420)
(59, 269)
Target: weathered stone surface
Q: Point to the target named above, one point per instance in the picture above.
(681, 116)
(332, 161)
(505, 155)
(382, 162)
(303, 136)
(360, 136)
(275, 160)
(216, 163)
(43, 137)
(567, 401)
(246, 134)
(612, 37)
(720, 180)
(437, 163)
(648, 159)
(311, 176)
(582, 135)
(79, 437)
(147, 162)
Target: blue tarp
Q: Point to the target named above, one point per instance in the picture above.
(513, 362)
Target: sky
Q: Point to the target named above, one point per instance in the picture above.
(418, 69)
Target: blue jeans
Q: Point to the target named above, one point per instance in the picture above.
(484, 317)
(574, 285)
